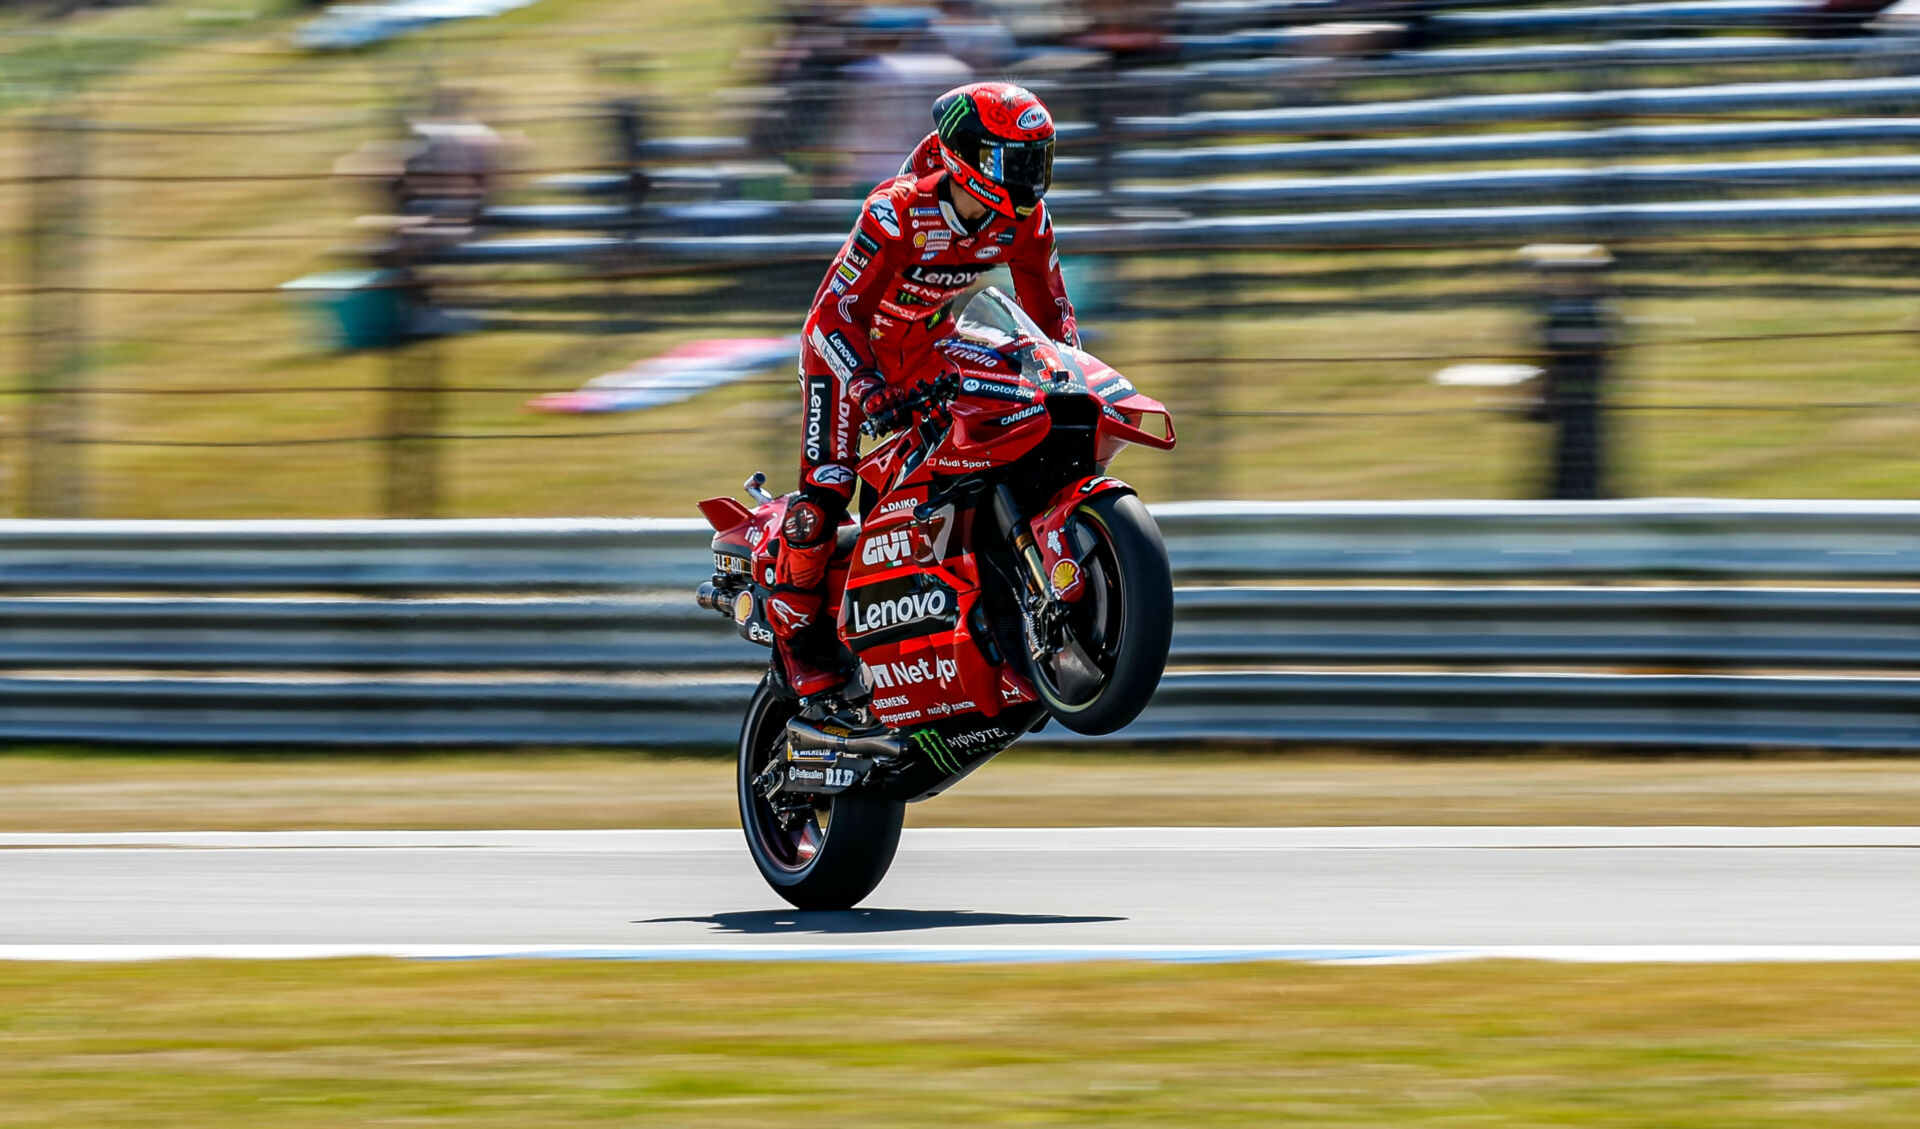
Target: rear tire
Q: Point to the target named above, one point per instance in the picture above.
(826, 857)
(1124, 621)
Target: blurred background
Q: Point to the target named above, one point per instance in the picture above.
(544, 257)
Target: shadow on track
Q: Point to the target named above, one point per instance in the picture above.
(768, 921)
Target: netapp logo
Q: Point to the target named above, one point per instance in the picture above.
(893, 675)
(911, 605)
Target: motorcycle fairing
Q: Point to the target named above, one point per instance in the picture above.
(946, 750)
(1059, 557)
(911, 610)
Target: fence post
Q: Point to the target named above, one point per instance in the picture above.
(55, 484)
(1576, 338)
(413, 424)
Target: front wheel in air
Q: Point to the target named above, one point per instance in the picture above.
(817, 852)
(1113, 645)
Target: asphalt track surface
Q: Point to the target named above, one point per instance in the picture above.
(979, 894)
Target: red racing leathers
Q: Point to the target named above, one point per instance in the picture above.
(874, 322)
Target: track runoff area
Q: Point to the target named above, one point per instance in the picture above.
(1322, 894)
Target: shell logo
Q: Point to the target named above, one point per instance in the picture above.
(1064, 574)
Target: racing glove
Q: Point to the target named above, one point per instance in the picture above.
(879, 401)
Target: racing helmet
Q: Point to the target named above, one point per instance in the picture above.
(996, 140)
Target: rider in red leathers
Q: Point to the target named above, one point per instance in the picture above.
(967, 200)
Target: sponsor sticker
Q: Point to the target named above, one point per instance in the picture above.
(840, 354)
(1024, 413)
(815, 437)
(996, 389)
(990, 251)
(902, 673)
(884, 215)
(866, 242)
(887, 548)
(898, 504)
(923, 211)
(907, 606)
(1034, 118)
(833, 474)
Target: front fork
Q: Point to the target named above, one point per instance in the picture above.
(1041, 614)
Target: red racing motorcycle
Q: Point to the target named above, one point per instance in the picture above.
(999, 578)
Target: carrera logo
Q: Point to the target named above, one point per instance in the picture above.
(891, 548)
(900, 608)
(894, 675)
(1023, 413)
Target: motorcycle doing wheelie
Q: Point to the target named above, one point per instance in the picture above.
(999, 577)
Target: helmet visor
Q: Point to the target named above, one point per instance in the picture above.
(1024, 168)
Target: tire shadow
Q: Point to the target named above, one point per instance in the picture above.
(857, 921)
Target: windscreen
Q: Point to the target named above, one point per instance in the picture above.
(992, 309)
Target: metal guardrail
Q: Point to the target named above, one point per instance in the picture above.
(1230, 627)
(1723, 539)
(403, 657)
(1623, 141)
(1778, 97)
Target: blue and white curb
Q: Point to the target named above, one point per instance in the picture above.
(984, 954)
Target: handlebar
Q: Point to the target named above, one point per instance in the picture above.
(925, 394)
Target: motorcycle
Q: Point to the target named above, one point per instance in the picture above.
(999, 578)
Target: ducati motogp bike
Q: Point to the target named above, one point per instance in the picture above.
(999, 578)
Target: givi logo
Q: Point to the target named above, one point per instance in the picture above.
(891, 549)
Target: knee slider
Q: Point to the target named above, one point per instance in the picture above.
(811, 520)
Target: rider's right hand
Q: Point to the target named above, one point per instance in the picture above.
(880, 402)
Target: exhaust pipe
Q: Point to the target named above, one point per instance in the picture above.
(714, 599)
(811, 738)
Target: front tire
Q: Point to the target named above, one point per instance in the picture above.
(1122, 625)
(825, 854)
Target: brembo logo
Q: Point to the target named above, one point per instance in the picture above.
(900, 611)
(889, 549)
(889, 676)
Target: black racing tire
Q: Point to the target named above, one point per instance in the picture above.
(844, 846)
(1126, 625)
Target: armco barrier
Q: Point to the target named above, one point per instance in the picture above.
(296, 634)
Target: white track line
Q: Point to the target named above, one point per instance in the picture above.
(975, 839)
(988, 954)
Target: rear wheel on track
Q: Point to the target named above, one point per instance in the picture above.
(819, 852)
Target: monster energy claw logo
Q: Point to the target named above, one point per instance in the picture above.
(956, 110)
(931, 743)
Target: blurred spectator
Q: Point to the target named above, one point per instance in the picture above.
(885, 96)
(971, 33)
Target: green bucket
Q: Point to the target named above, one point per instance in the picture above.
(355, 309)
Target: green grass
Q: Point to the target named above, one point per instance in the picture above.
(212, 1045)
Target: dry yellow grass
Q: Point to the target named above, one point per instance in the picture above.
(100, 792)
(1502, 1046)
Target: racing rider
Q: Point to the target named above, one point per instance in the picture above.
(965, 201)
